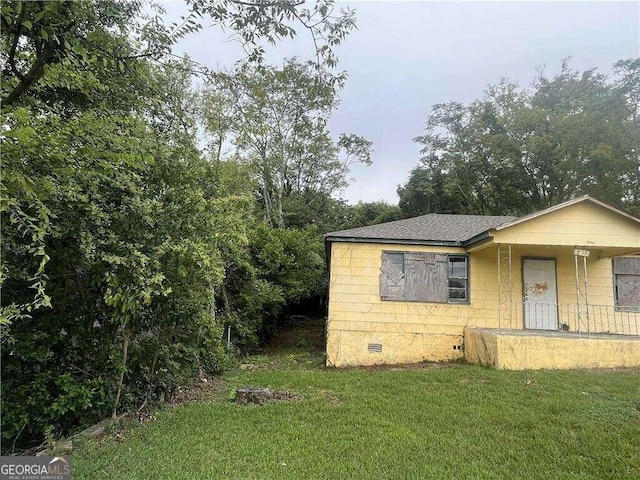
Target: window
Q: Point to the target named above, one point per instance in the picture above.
(424, 277)
(626, 272)
(458, 279)
(397, 259)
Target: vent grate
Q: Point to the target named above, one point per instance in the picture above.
(374, 348)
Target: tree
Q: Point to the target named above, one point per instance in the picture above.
(66, 57)
(323, 211)
(39, 34)
(372, 213)
(252, 21)
(120, 240)
(518, 150)
(627, 84)
(279, 130)
(81, 36)
(133, 242)
(426, 191)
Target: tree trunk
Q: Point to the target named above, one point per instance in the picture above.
(268, 205)
(125, 352)
(225, 300)
(279, 215)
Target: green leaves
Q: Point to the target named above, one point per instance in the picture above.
(116, 226)
(522, 149)
(277, 118)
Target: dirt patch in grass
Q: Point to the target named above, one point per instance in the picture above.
(205, 389)
(297, 361)
(260, 396)
(404, 366)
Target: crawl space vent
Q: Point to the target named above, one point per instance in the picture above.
(374, 348)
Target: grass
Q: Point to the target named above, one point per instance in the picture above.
(430, 421)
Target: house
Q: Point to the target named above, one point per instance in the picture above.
(559, 288)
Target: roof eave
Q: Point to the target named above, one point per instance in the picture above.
(395, 241)
(478, 238)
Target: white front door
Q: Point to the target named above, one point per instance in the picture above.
(539, 294)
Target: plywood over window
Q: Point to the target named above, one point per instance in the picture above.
(626, 271)
(423, 277)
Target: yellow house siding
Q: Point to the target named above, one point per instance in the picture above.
(408, 331)
(600, 287)
(600, 281)
(362, 329)
(583, 223)
(417, 331)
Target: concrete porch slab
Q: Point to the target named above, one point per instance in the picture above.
(539, 349)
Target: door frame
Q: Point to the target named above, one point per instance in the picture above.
(522, 289)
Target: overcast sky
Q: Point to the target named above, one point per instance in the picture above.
(407, 56)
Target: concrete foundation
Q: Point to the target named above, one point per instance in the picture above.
(345, 348)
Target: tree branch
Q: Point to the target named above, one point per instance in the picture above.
(33, 75)
(267, 3)
(12, 52)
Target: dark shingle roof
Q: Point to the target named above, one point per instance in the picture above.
(432, 228)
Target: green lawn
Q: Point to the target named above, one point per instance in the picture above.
(456, 422)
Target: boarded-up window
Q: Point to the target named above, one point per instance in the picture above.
(392, 276)
(626, 271)
(423, 277)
